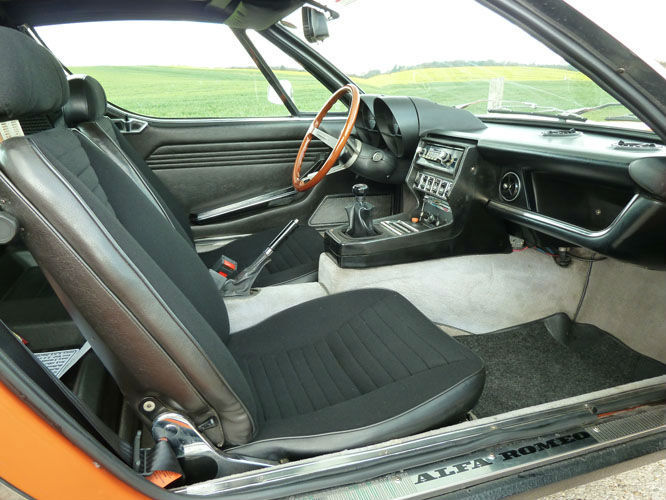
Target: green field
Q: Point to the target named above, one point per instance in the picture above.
(177, 92)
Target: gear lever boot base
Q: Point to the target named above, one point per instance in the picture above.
(360, 214)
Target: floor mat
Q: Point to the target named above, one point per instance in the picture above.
(526, 366)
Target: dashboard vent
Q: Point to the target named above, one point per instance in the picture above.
(509, 187)
(562, 132)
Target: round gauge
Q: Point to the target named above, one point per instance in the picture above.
(368, 117)
(398, 123)
(366, 124)
(389, 128)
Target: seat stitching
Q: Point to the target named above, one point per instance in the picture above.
(418, 334)
(401, 340)
(325, 345)
(351, 353)
(376, 424)
(253, 385)
(313, 377)
(382, 341)
(297, 245)
(295, 260)
(273, 390)
(286, 390)
(291, 366)
(369, 351)
(288, 252)
(307, 360)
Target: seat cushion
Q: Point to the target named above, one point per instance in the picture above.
(295, 260)
(352, 369)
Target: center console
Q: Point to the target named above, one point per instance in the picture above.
(442, 187)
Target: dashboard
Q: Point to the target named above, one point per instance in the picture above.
(549, 185)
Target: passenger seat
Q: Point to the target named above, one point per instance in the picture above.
(296, 260)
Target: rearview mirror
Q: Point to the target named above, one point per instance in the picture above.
(273, 96)
(315, 25)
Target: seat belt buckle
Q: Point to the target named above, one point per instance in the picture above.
(226, 267)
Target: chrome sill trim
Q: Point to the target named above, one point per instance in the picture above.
(497, 462)
(245, 204)
(449, 441)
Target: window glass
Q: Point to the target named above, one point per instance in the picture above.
(308, 93)
(168, 69)
(463, 54)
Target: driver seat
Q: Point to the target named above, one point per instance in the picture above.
(296, 260)
(338, 372)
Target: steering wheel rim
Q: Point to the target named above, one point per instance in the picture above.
(336, 150)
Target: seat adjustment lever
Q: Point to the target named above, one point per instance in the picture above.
(190, 447)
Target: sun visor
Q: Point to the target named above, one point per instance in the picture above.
(253, 14)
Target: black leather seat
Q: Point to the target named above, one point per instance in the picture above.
(296, 260)
(337, 372)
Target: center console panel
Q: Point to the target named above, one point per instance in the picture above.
(447, 182)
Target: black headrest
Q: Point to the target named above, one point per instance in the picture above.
(32, 82)
(87, 100)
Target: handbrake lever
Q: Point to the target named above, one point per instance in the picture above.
(242, 284)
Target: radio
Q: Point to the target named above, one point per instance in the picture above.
(442, 157)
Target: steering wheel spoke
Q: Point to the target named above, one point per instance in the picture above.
(337, 145)
(325, 137)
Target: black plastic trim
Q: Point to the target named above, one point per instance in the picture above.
(266, 70)
(313, 62)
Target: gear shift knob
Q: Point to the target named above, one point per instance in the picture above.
(360, 214)
(360, 190)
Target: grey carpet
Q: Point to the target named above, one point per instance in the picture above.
(526, 366)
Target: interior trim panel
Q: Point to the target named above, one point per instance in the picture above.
(227, 154)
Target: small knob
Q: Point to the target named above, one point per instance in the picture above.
(360, 189)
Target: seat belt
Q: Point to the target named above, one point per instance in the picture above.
(158, 464)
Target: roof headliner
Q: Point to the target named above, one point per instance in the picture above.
(43, 12)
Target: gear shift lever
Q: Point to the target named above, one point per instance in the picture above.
(360, 214)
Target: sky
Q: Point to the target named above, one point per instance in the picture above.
(369, 35)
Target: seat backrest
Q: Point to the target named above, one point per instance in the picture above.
(85, 109)
(138, 291)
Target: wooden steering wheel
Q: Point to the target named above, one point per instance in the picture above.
(337, 145)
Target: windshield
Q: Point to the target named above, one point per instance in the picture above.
(463, 54)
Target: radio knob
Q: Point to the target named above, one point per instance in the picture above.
(444, 158)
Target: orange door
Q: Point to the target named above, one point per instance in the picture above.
(38, 460)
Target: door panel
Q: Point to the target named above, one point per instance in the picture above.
(208, 164)
(212, 175)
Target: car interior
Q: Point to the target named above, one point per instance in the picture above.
(279, 292)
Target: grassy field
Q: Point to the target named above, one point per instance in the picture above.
(176, 92)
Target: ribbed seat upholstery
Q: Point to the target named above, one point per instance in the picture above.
(349, 361)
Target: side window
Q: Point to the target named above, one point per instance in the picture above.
(166, 69)
(308, 93)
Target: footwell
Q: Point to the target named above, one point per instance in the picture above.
(527, 366)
